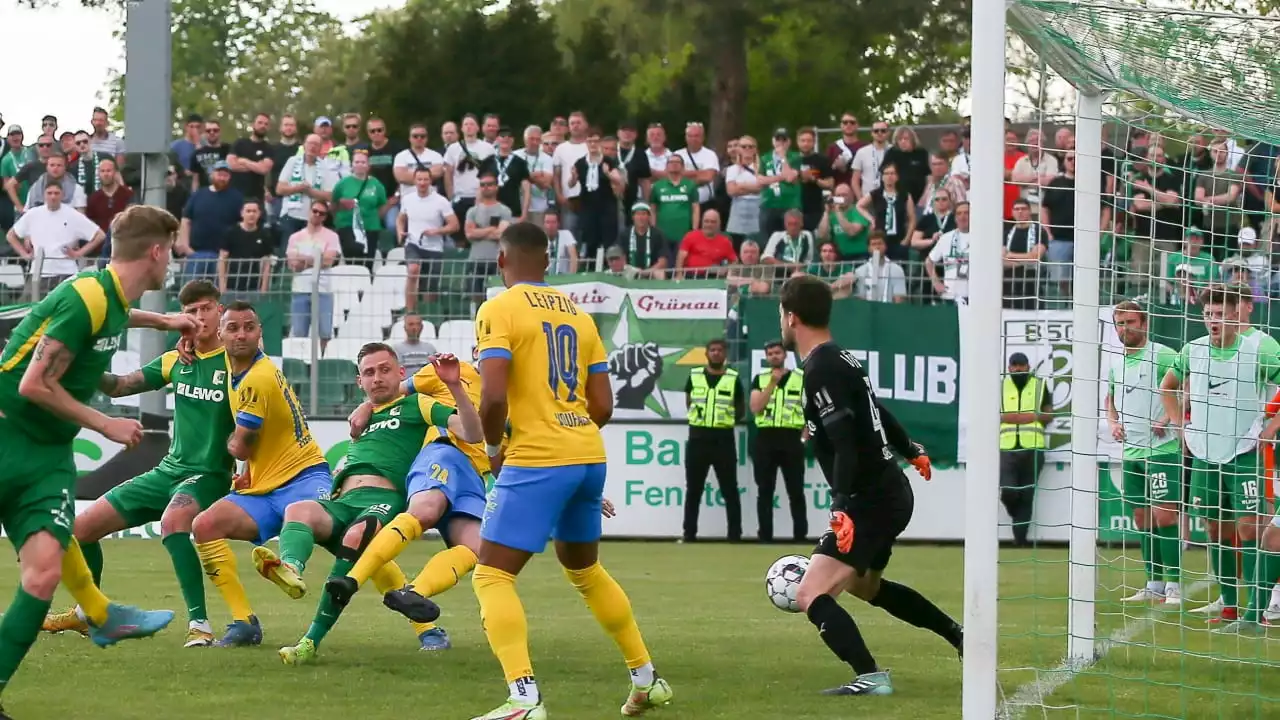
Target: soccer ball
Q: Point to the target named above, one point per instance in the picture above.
(782, 582)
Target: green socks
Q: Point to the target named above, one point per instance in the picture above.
(328, 612)
(297, 542)
(1222, 559)
(1148, 558)
(93, 558)
(18, 630)
(1249, 558)
(1166, 549)
(186, 563)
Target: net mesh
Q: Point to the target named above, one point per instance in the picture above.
(1186, 202)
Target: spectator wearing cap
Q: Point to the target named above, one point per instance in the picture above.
(512, 172)
(211, 211)
(841, 152)
(742, 183)
(1026, 406)
(601, 184)
(104, 141)
(634, 166)
(13, 138)
(706, 248)
(10, 190)
(304, 179)
(643, 245)
(701, 163)
(562, 248)
(49, 126)
(615, 263)
(332, 154)
(59, 232)
(541, 175)
(869, 159)
(313, 243)
(779, 179)
(193, 137)
(55, 168)
(205, 157)
(109, 200)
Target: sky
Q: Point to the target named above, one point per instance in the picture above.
(83, 66)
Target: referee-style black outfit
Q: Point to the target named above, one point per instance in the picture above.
(778, 447)
(715, 403)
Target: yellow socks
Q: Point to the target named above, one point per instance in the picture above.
(444, 570)
(504, 621)
(219, 562)
(78, 580)
(390, 577)
(612, 610)
(385, 546)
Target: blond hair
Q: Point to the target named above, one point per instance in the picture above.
(135, 230)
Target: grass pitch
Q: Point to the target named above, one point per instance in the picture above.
(704, 613)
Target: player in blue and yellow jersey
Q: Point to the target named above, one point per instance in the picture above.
(446, 491)
(543, 363)
(49, 370)
(283, 465)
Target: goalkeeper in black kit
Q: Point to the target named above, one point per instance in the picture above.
(854, 439)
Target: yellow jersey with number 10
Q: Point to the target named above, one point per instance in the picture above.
(262, 400)
(427, 382)
(552, 346)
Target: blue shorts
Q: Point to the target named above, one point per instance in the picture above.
(442, 466)
(529, 505)
(267, 510)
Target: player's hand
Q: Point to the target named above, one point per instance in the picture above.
(1268, 433)
(242, 480)
(923, 466)
(842, 526)
(448, 369)
(637, 366)
(186, 348)
(1117, 431)
(359, 419)
(182, 323)
(777, 373)
(126, 431)
(607, 509)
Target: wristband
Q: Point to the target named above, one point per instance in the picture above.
(492, 450)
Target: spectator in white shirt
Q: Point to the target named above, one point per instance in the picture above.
(59, 233)
(701, 164)
(541, 174)
(868, 159)
(304, 179)
(426, 218)
(880, 279)
(952, 252)
(562, 248)
(960, 163)
(462, 167)
(410, 160)
(567, 154)
(791, 246)
(301, 253)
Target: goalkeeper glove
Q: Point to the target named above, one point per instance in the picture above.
(842, 526)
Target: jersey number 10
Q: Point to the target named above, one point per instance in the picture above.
(562, 359)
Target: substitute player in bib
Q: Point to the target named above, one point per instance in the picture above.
(542, 361)
(369, 490)
(871, 499)
(446, 489)
(283, 465)
(1152, 469)
(50, 368)
(192, 476)
(1225, 375)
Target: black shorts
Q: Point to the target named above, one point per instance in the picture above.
(877, 523)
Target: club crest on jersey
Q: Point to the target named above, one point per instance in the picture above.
(395, 411)
(219, 377)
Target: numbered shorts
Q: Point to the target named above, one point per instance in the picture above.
(144, 498)
(267, 510)
(352, 508)
(37, 488)
(530, 504)
(1226, 489)
(442, 466)
(877, 522)
(1153, 480)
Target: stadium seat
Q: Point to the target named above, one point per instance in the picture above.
(462, 331)
(298, 373)
(361, 328)
(337, 383)
(346, 348)
(12, 276)
(349, 283)
(293, 348)
(395, 256)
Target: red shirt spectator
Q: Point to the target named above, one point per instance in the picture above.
(1011, 156)
(841, 152)
(108, 200)
(703, 251)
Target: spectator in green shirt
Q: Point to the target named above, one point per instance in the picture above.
(846, 225)
(779, 183)
(359, 200)
(674, 200)
(1195, 263)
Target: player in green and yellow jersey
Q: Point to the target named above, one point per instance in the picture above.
(50, 369)
(370, 488)
(192, 476)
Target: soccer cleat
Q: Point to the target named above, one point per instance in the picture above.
(434, 640)
(125, 622)
(284, 575)
(512, 710)
(242, 634)
(410, 604)
(876, 683)
(341, 589)
(199, 634)
(301, 654)
(1145, 595)
(642, 700)
(1213, 608)
(1228, 616)
(69, 621)
(1243, 628)
(1173, 595)
(1272, 612)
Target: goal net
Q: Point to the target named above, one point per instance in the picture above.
(1138, 212)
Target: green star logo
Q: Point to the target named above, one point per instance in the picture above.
(626, 328)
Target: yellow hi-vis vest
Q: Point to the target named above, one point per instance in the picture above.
(712, 407)
(1031, 435)
(785, 408)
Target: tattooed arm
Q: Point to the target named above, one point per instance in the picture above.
(41, 384)
(124, 385)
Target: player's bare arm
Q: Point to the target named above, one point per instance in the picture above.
(599, 398)
(177, 322)
(493, 399)
(117, 386)
(1170, 397)
(41, 384)
(241, 443)
(1113, 420)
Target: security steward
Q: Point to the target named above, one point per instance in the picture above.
(1026, 405)
(777, 404)
(714, 396)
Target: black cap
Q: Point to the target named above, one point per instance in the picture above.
(1019, 359)
(504, 132)
(781, 133)
(627, 124)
